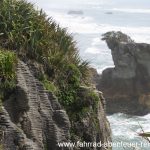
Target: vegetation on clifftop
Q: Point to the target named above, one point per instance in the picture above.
(7, 65)
(32, 35)
(8, 61)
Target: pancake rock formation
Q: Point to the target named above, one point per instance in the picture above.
(32, 118)
(126, 87)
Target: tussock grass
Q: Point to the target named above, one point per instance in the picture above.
(32, 34)
(8, 62)
(7, 65)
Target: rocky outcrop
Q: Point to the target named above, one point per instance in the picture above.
(126, 87)
(32, 118)
(90, 124)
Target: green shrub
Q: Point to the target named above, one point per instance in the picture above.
(8, 61)
(48, 84)
(68, 83)
(95, 99)
(7, 64)
(32, 34)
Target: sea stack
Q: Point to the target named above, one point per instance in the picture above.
(126, 87)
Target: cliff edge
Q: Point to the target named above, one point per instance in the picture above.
(45, 97)
(32, 118)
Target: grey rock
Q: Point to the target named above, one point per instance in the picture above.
(35, 119)
(92, 125)
(126, 87)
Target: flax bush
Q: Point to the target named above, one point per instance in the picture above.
(32, 35)
(8, 62)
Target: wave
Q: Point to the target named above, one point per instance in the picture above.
(96, 41)
(93, 50)
(128, 10)
(125, 126)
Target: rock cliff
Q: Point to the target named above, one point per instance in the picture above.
(90, 124)
(32, 118)
(44, 98)
(126, 87)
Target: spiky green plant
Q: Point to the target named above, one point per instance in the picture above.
(8, 61)
(32, 34)
(7, 65)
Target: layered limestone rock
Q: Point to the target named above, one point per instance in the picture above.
(91, 124)
(126, 87)
(32, 118)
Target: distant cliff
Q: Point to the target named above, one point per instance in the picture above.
(127, 85)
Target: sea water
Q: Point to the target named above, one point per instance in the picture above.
(87, 21)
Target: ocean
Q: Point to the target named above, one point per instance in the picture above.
(87, 20)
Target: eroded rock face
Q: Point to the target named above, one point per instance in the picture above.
(33, 119)
(126, 87)
(91, 124)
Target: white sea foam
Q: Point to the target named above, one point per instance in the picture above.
(92, 50)
(128, 126)
(127, 10)
(75, 24)
(96, 41)
(147, 116)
